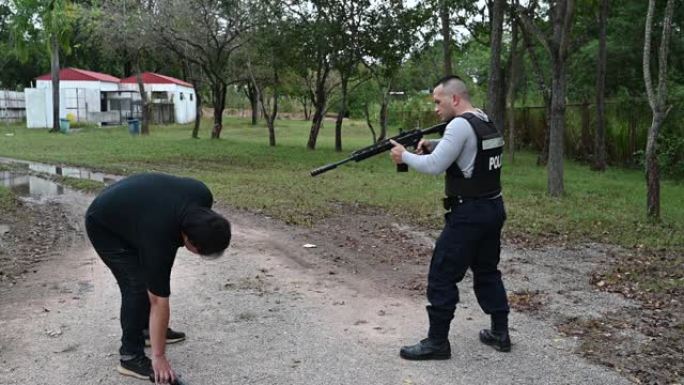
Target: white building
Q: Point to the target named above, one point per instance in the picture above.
(163, 89)
(82, 97)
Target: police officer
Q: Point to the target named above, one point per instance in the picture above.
(470, 154)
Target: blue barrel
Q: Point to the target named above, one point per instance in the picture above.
(64, 126)
(134, 126)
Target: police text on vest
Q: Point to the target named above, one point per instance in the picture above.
(494, 162)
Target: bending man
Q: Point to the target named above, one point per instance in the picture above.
(136, 226)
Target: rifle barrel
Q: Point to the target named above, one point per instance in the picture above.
(330, 166)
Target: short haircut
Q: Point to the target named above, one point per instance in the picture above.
(207, 230)
(453, 85)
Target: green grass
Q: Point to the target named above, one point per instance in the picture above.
(242, 170)
(7, 200)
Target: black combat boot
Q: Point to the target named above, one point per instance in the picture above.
(497, 337)
(499, 341)
(427, 349)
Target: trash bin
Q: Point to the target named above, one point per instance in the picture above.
(64, 126)
(134, 126)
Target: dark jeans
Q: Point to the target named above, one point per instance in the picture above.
(124, 263)
(471, 238)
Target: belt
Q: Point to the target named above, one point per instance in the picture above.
(451, 202)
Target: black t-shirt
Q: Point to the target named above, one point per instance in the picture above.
(146, 212)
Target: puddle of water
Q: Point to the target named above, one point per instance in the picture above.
(29, 186)
(35, 187)
(66, 171)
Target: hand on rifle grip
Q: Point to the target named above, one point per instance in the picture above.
(424, 147)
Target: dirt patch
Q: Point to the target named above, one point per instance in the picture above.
(653, 350)
(30, 234)
(636, 330)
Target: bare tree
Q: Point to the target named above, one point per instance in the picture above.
(557, 45)
(316, 30)
(208, 32)
(355, 17)
(657, 99)
(599, 163)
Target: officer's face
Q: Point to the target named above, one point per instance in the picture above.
(445, 103)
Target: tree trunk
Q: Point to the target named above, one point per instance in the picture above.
(557, 129)
(599, 163)
(270, 121)
(253, 96)
(446, 35)
(270, 118)
(144, 106)
(219, 102)
(318, 102)
(495, 85)
(652, 168)
(384, 110)
(340, 115)
(305, 104)
(54, 72)
(198, 110)
(657, 100)
(316, 123)
(366, 112)
(319, 99)
(512, 80)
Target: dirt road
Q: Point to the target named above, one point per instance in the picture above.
(273, 312)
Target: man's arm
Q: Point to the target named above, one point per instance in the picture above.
(159, 322)
(444, 153)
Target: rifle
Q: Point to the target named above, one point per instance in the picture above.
(406, 139)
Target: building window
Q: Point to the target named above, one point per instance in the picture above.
(159, 95)
(181, 96)
(190, 97)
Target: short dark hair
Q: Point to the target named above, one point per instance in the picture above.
(446, 79)
(207, 230)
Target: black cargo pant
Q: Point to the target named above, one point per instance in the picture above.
(471, 238)
(124, 263)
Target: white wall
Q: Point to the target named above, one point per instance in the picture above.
(78, 102)
(38, 107)
(185, 109)
(87, 84)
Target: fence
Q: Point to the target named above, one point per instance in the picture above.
(12, 106)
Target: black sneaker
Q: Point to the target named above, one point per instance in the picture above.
(427, 349)
(172, 336)
(498, 340)
(139, 367)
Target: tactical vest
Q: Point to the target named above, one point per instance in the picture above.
(485, 180)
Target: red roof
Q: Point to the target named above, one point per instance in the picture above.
(79, 74)
(153, 78)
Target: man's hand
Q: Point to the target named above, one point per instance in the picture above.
(159, 322)
(163, 374)
(396, 152)
(424, 147)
